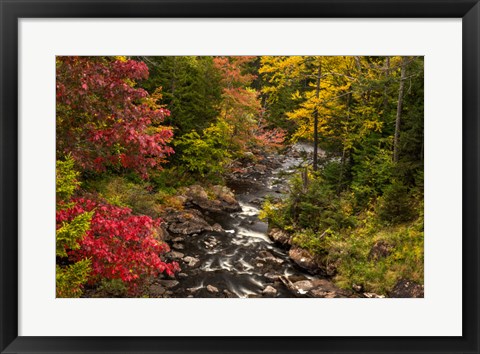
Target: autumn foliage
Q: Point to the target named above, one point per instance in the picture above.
(104, 120)
(120, 245)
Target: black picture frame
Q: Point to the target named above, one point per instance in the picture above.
(11, 11)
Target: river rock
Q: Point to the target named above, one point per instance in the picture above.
(167, 283)
(323, 288)
(191, 261)
(380, 249)
(303, 286)
(186, 222)
(271, 276)
(156, 290)
(217, 228)
(304, 259)
(212, 289)
(223, 199)
(178, 239)
(279, 236)
(373, 296)
(406, 288)
(178, 246)
(229, 294)
(268, 257)
(269, 291)
(175, 255)
(162, 232)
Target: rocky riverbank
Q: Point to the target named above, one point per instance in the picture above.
(224, 250)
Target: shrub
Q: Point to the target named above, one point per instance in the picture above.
(208, 153)
(396, 206)
(71, 277)
(120, 245)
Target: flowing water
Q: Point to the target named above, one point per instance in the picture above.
(242, 261)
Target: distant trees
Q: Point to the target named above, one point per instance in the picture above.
(356, 108)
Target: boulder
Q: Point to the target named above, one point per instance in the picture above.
(186, 222)
(178, 246)
(323, 288)
(175, 255)
(373, 296)
(303, 286)
(304, 259)
(279, 236)
(268, 257)
(191, 261)
(212, 289)
(156, 290)
(406, 288)
(269, 291)
(222, 200)
(162, 232)
(314, 264)
(272, 276)
(227, 198)
(167, 283)
(217, 228)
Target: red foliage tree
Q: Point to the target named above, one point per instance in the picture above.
(103, 120)
(120, 245)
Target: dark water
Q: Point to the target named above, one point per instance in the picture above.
(242, 261)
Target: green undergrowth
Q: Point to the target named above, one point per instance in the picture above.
(335, 227)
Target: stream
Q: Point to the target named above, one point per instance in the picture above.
(242, 261)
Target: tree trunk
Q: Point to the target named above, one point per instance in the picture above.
(399, 109)
(315, 119)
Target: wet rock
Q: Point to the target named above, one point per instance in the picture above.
(223, 199)
(303, 286)
(174, 255)
(191, 261)
(269, 291)
(217, 228)
(405, 288)
(268, 257)
(178, 239)
(357, 288)
(380, 249)
(210, 242)
(324, 288)
(279, 236)
(192, 290)
(186, 222)
(271, 276)
(168, 283)
(257, 201)
(178, 246)
(182, 275)
(295, 278)
(259, 265)
(373, 296)
(304, 259)
(162, 232)
(227, 198)
(212, 289)
(156, 290)
(229, 294)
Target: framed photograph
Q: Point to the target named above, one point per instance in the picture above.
(221, 176)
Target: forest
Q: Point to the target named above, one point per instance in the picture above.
(239, 176)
